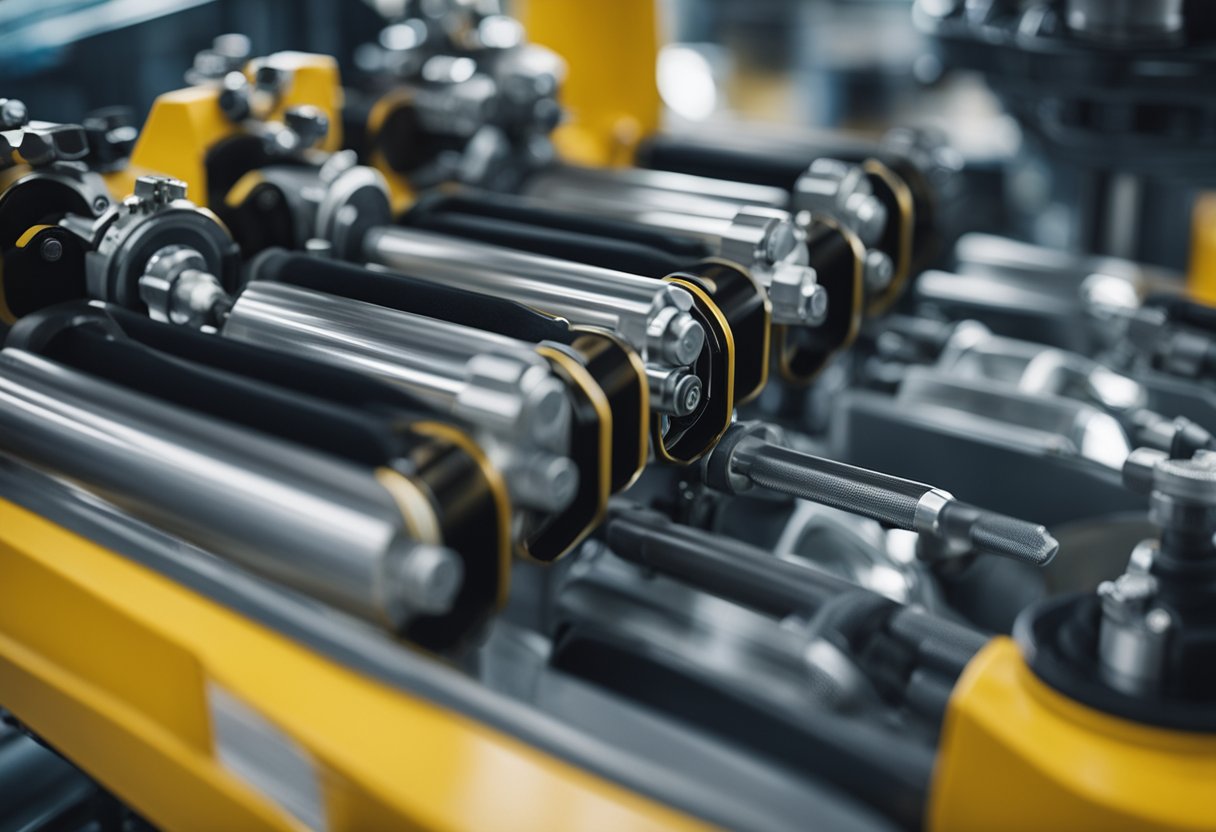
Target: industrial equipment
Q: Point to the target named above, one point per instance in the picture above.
(436, 435)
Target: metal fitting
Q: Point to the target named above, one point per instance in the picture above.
(1134, 633)
(310, 124)
(673, 336)
(673, 391)
(13, 114)
(424, 580)
(796, 296)
(541, 481)
(228, 53)
(177, 288)
(234, 98)
(841, 190)
(515, 398)
(877, 271)
(760, 238)
(153, 193)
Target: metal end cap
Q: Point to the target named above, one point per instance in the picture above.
(426, 580)
(687, 396)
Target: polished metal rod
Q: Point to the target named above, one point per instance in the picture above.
(651, 315)
(498, 386)
(309, 521)
(679, 192)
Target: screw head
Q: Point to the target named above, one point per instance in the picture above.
(51, 250)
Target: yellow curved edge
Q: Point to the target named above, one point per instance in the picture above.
(110, 662)
(1017, 755)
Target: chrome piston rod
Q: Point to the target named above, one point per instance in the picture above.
(827, 187)
(652, 316)
(661, 190)
(498, 385)
(765, 241)
(309, 521)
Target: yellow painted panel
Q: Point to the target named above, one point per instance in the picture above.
(611, 91)
(107, 660)
(1017, 755)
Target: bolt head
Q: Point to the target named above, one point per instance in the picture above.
(878, 271)
(51, 250)
(13, 114)
(1158, 620)
(688, 395)
(686, 338)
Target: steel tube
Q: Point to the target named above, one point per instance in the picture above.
(652, 316)
(312, 522)
(498, 385)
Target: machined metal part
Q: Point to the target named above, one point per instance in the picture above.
(497, 385)
(336, 201)
(1134, 635)
(748, 456)
(679, 391)
(1147, 611)
(765, 241)
(177, 288)
(38, 143)
(841, 190)
(972, 351)
(1060, 426)
(760, 227)
(309, 521)
(147, 237)
(652, 316)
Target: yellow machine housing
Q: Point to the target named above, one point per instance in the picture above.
(126, 672)
(1017, 755)
(185, 124)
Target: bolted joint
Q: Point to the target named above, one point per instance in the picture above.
(516, 398)
(178, 288)
(673, 335)
(877, 271)
(155, 192)
(843, 191)
(541, 481)
(796, 296)
(759, 238)
(673, 391)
